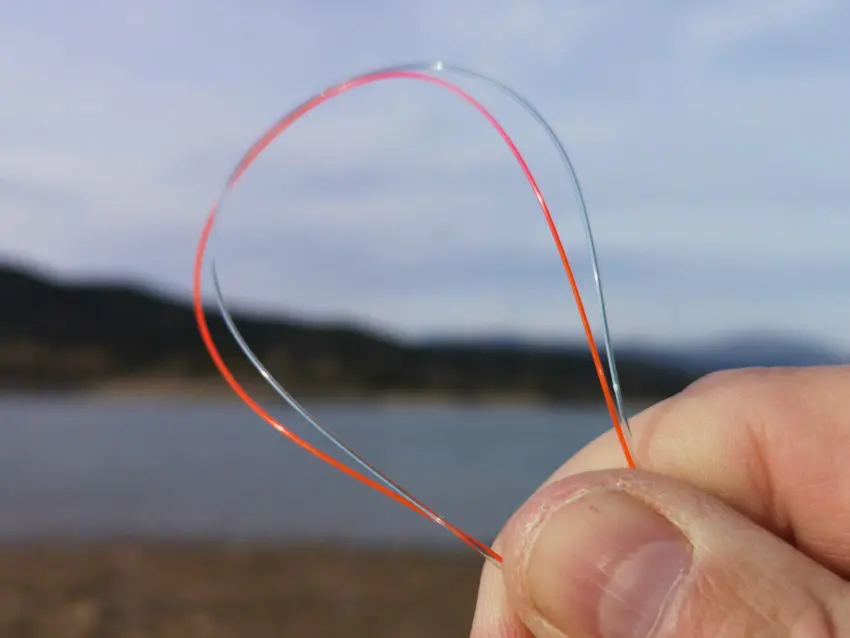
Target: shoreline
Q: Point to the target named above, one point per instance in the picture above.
(159, 590)
(217, 390)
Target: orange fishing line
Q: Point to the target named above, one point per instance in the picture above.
(267, 138)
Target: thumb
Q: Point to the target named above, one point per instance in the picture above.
(629, 554)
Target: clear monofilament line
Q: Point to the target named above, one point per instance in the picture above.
(585, 219)
(307, 416)
(419, 71)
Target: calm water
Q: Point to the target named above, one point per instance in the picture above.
(98, 469)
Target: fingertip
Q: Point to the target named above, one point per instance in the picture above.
(604, 564)
(517, 539)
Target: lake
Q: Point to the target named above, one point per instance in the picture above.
(150, 469)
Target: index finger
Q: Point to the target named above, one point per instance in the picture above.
(770, 442)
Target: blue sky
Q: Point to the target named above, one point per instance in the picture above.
(711, 139)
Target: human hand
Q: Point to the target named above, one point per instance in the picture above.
(737, 523)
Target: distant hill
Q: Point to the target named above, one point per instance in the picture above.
(56, 335)
(756, 350)
(745, 350)
(75, 336)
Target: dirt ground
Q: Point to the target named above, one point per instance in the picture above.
(135, 591)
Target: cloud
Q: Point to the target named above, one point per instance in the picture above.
(719, 26)
(708, 138)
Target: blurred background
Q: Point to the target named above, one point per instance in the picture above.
(388, 262)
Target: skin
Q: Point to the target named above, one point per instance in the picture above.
(753, 468)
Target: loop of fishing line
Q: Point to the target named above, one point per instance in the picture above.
(425, 72)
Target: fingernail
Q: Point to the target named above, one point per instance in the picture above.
(605, 565)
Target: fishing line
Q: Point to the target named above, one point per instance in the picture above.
(425, 72)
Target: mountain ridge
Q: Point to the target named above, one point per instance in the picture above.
(59, 335)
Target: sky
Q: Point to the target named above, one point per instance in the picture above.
(710, 139)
